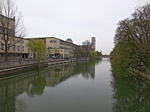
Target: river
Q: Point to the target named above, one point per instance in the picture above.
(77, 87)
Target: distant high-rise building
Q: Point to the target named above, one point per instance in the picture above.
(93, 41)
(87, 42)
(90, 45)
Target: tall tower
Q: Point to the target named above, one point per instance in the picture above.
(93, 44)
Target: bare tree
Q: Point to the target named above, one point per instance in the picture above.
(11, 25)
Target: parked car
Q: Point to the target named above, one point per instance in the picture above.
(56, 57)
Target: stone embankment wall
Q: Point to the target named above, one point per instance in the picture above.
(10, 67)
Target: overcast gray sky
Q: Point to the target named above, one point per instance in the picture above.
(77, 19)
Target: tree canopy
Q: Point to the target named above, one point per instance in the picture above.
(132, 42)
(37, 47)
(136, 28)
(93, 55)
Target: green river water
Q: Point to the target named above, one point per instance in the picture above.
(77, 87)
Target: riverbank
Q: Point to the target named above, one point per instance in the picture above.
(134, 73)
(141, 75)
(25, 67)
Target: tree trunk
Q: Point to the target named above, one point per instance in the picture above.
(39, 61)
(6, 53)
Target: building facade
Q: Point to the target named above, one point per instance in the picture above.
(57, 48)
(93, 44)
(17, 49)
(16, 46)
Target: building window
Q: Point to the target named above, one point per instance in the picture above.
(2, 46)
(22, 48)
(2, 38)
(52, 41)
(1, 29)
(18, 48)
(18, 40)
(10, 32)
(14, 47)
(49, 47)
(8, 47)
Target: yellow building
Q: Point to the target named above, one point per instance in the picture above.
(57, 48)
(16, 46)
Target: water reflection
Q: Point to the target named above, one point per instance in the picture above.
(130, 95)
(34, 83)
(37, 85)
(88, 70)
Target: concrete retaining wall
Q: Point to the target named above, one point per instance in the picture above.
(23, 67)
